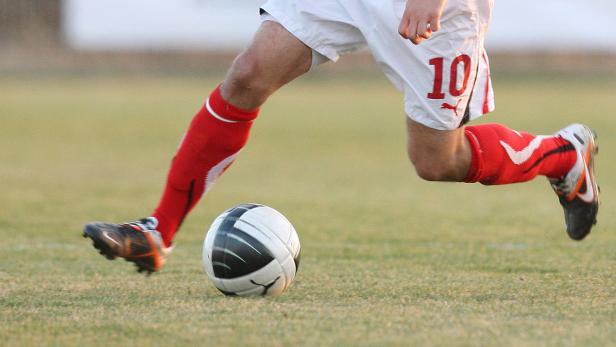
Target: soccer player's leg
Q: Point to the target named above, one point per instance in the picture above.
(221, 128)
(501, 156)
(447, 83)
(493, 154)
(216, 135)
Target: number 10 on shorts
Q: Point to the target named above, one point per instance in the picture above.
(454, 88)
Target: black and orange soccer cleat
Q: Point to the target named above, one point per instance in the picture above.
(578, 191)
(138, 242)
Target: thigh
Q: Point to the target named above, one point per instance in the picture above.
(322, 25)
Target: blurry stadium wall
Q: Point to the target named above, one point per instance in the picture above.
(69, 33)
(223, 24)
(25, 22)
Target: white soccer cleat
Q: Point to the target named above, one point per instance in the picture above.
(577, 190)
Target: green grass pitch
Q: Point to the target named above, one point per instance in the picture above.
(387, 259)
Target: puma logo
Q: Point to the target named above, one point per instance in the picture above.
(454, 108)
(266, 287)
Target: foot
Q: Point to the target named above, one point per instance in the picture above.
(577, 190)
(138, 242)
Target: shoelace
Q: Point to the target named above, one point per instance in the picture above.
(143, 224)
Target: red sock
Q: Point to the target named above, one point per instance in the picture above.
(216, 135)
(502, 155)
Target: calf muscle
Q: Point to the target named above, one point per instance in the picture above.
(438, 155)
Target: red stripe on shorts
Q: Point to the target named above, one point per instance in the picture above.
(486, 97)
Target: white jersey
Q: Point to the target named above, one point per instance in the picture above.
(445, 80)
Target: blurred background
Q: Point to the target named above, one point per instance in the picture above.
(150, 35)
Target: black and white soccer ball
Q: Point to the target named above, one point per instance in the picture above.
(251, 249)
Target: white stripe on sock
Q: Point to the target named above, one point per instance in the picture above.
(215, 115)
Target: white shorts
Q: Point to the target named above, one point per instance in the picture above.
(446, 79)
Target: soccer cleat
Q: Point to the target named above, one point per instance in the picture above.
(577, 190)
(138, 242)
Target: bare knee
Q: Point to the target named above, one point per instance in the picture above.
(274, 58)
(244, 85)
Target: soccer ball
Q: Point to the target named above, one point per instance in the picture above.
(251, 249)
